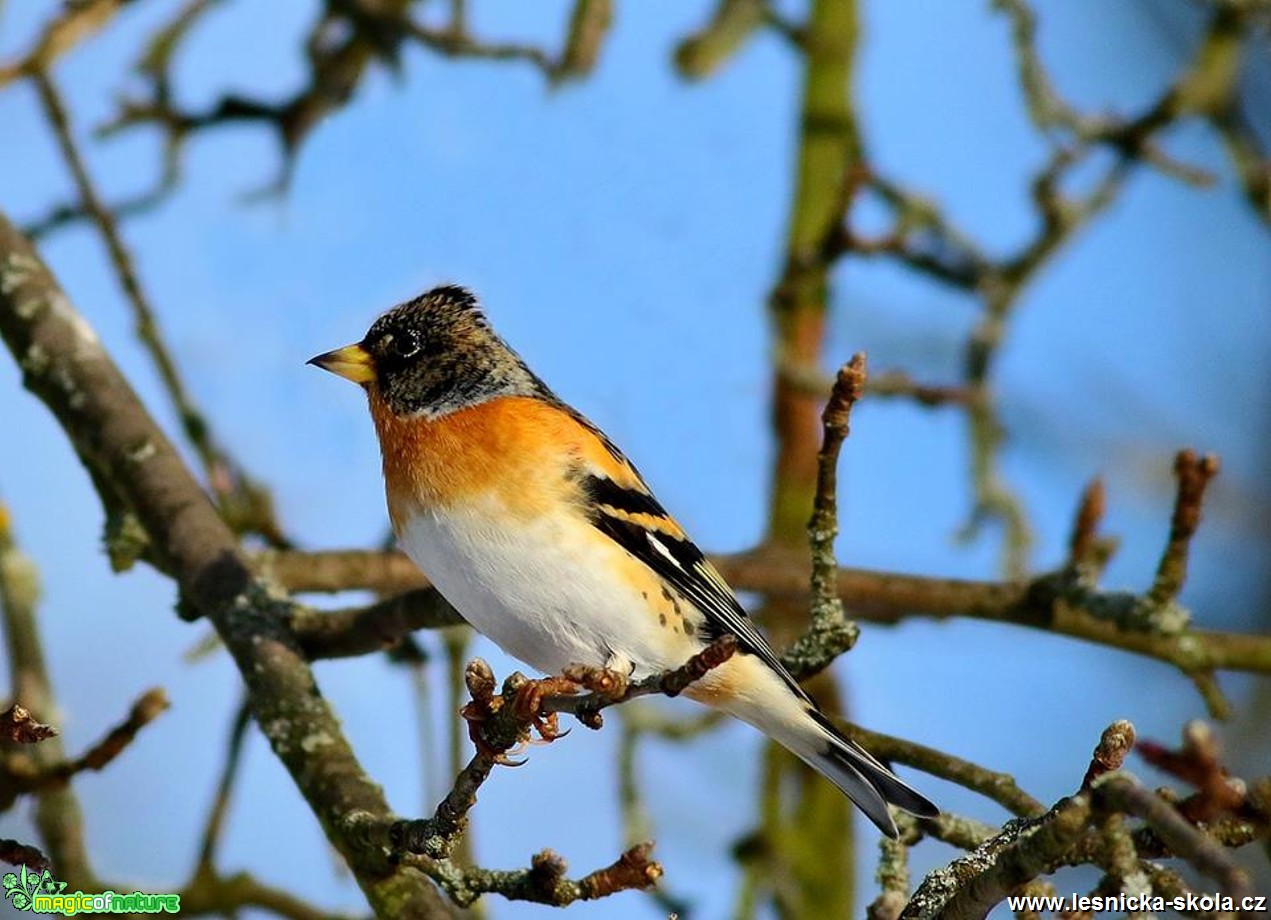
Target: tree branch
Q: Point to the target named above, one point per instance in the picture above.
(18, 726)
(1092, 827)
(58, 818)
(500, 722)
(65, 365)
(379, 626)
(1053, 602)
(76, 23)
(348, 38)
(22, 776)
(242, 500)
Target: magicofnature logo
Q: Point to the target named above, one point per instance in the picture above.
(41, 893)
(22, 889)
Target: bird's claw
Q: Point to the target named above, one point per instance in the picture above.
(528, 705)
(476, 714)
(609, 682)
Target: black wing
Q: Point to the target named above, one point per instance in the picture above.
(637, 522)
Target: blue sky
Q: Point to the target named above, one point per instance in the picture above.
(623, 233)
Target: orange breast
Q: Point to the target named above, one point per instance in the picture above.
(514, 449)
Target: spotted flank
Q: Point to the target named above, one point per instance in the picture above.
(637, 522)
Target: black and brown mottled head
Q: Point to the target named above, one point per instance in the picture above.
(432, 356)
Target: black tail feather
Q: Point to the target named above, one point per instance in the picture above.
(868, 782)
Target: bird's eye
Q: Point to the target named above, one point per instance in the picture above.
(405, 344)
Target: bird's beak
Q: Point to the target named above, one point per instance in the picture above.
(352, 362)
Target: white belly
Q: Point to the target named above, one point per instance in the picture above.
(542, 590)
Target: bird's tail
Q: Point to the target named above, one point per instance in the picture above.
(797, 726)
(860, 776)
(752, 691)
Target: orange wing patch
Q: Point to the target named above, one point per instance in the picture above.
(657, 523)
(602, 461)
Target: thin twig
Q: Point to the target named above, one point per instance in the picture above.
(1125, 794)
(342, 46)
(730, 27)
(211, 894)
(74, 24)
(23, 854)
(545, 882)
(145, 710)
(502, 721)
(374, 628)
(827, 607)
(69, 213)
(217, 814)
(893, 879)
(245, 503)
(21, 775)
(830, 633)
(898, 384)
(1194, 474)
(20, 727)
(1083, 541)
(994, 785)
(1198, 763)
(1114, 746)
(58, 817)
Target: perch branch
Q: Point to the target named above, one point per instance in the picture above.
(545, 882)
(500, 722)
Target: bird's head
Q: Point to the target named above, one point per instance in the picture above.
(431, 356)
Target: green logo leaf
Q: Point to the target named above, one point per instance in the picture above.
(21, 889)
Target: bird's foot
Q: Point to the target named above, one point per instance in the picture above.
(529, 700)
(609, 682)
(478, 714)
(495, 739)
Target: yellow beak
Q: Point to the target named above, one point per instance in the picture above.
(352, 362)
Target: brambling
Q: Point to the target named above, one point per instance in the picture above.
(537, 529)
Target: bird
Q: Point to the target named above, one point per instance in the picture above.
(540, 532)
